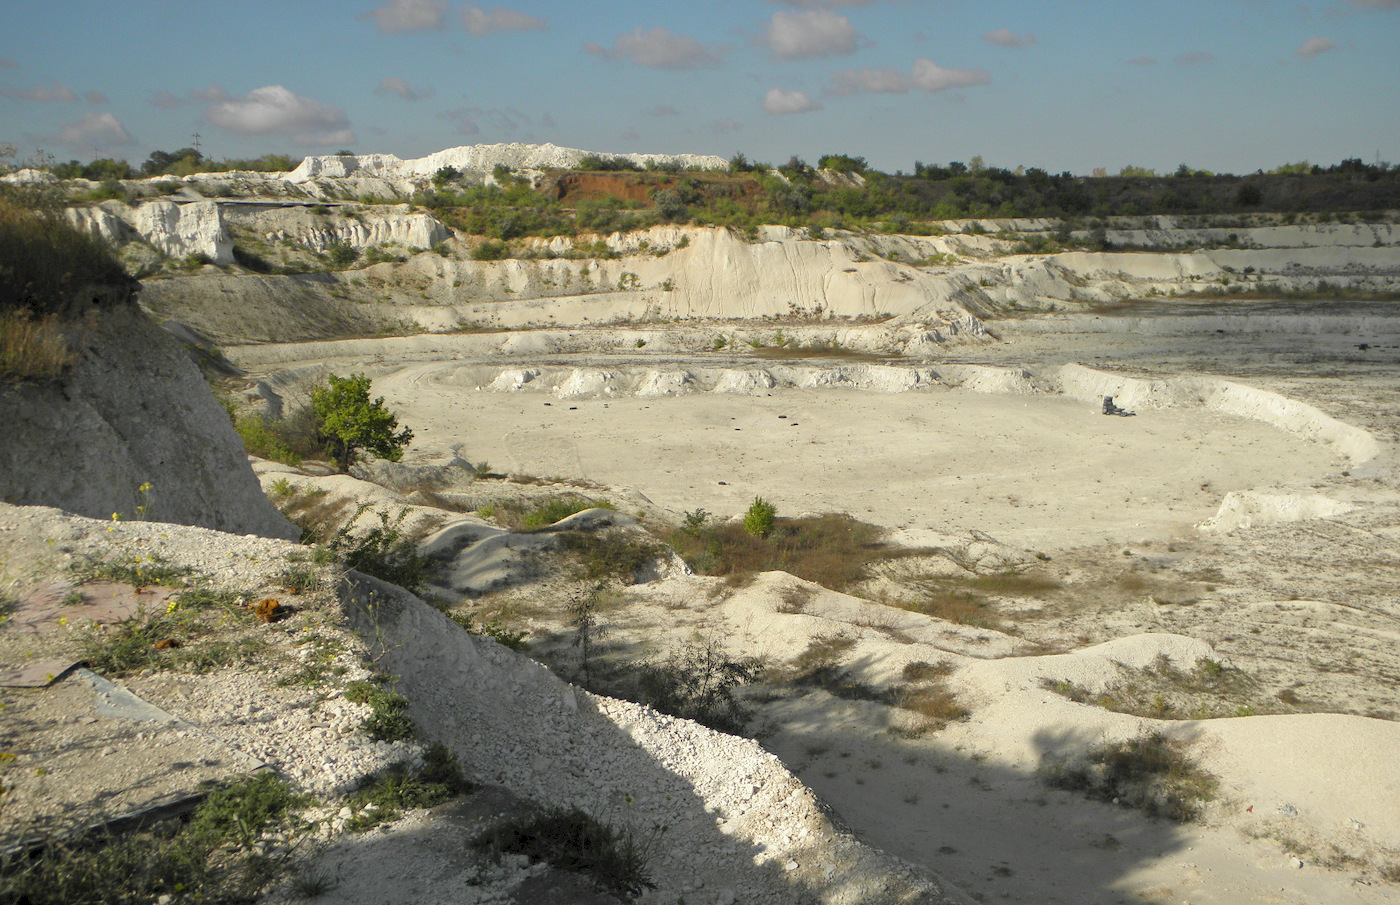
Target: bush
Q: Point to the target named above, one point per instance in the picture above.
(697, 683)
(571, 840)
(383, 551)
(1151, 772)
(45, 260)
(388, 720)
(491, 250)
(758, 521)
(351, 424)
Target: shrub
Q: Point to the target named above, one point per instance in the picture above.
(400, 788)
(1151, 772)
(491, 250)
(697, 683)
(44, 259)
(351, 424)
(388, 720)
(571, 840)
(758, 521)
(383, 551)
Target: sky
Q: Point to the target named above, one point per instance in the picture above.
(1229, 86)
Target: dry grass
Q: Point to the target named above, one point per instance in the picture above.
(1151, 772)
(1163, 692)
(831, 550)
(44, 259)
(33, 348)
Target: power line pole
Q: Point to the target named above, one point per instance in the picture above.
(196, 142)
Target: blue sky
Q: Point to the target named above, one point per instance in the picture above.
(1223, 85)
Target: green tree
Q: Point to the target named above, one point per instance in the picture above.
(349, 423)
(758, 521)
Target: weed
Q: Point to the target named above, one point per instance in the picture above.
(697, 683)
(314, 883)
(210, 859)
(137, 571)
(559, 508)
(492, 629)
(299, 579)
(1150, 772)
(1164, 692)
(694, 523)
(571, 840)
(933, 702)
(611, 553)
(382, 551)
(383, 796)
(388, 720)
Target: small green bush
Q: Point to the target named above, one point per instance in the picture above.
(1151, 772)
(758, 521)
(388, 720)
(383, 551)
(400, 788)
(350, 424)
(569, 839)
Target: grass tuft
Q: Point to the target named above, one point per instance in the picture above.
(1151, 772)
(570, 839)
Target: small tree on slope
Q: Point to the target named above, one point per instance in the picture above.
(350, 423)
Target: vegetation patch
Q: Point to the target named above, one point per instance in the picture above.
(832, 550)
(34, 348)
(609, 553)
(382, 550)
(697, 682)
(1152, 773)
(382, 797)
(191, 633)
(216, 857)
(388, 720)
(570, 839)
(1164, 692)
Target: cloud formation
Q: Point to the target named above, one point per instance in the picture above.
(1196, 58)
(53, 93)
(395, 85)
(926, 76)
(784, 103)
(93, 129)
(662, 110)
(396, 16)
(481, 22)
(813, 33)
(1314, 47)
(274, 109)
(657, 48)
(1004, 37)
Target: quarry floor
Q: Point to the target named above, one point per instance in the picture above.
(1307, 606)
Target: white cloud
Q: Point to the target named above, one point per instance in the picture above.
(53, 93)
(782, 103)
(481, 22)
(1004, 37)
(396, 85)
(927, 76)
(657, 48)
(165, 100)
(408, 15)
(813, 33)
(94, 129)
(94, 97)
(725, 126)
(274, 109)
(1314, 47)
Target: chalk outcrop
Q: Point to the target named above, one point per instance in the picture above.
(135, 411)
